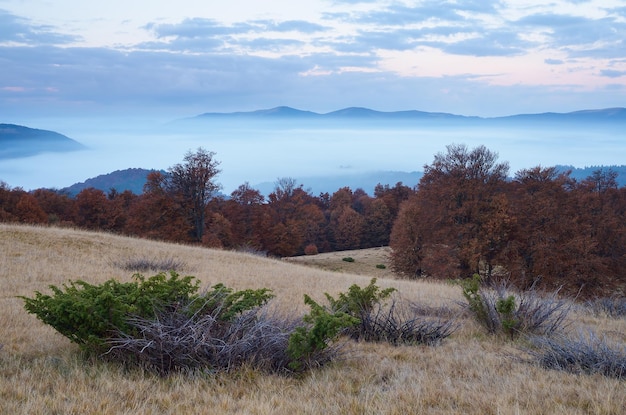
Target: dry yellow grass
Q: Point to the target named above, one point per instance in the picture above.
(365, 261)
(471, 373)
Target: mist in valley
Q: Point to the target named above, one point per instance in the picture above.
(261, 151)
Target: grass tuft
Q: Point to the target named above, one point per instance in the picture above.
(151, 264)
(613, 307)
(502, 310)
(587, 354)
(398, 323)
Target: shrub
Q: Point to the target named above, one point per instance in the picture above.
(164, 324)
(359, 300)
(348, 259)
(614, 307)
(176, 340)
(308, 344)
(501, 311)
(179, 339)
(225, 303)
(396, 323)
(587, 354)
(311, 249)
(90, 315)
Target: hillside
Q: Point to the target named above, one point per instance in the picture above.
(132, 179)
(365, 262)
(470, 373)
(19, 141)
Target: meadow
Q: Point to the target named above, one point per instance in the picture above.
(471, 372)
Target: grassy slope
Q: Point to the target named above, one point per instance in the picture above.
(365, 261)
(41, 372)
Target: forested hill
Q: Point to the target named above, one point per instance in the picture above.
(19, 141)
(129, 179)
(581, 173)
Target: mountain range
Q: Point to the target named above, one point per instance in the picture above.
(346, 113)
(283, 112)
(20, 141)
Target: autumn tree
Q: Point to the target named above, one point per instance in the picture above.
(59, 207)
(554, 239)
(193, 184)
(30, 211)
(219, 232)
(346, 224)
(393, 196)
(245, 212)
(601, 181)
(156, 214)
(293, 218)
(378, 221)
(455, 213)
(606, 206)
(8, 200)
(95, 211)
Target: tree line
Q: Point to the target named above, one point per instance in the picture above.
(541, 228)
(184, 205)
(466, 216)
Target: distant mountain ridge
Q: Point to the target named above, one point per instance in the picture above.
(607, 114)
(20, 141)
(284, 112)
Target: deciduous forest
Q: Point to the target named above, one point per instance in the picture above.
(467, 215)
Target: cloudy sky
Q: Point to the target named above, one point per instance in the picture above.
(185, 57)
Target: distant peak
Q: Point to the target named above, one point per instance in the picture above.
(283, 111)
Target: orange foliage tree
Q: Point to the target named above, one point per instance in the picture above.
(193, 185)
(157, 215)
(455, 217)
(60, 208)
(554, 242)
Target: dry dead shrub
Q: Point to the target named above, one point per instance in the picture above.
(614, 307)
(178, 341)
(501, 309)
(586, 354)
(151, 264)
(399, 323)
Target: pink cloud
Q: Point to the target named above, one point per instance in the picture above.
(13, 88)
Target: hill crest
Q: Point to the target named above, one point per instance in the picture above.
(19, 141)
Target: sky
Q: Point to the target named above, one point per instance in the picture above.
(171, 59)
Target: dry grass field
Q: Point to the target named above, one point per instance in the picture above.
(365, 262)
(41, 372)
